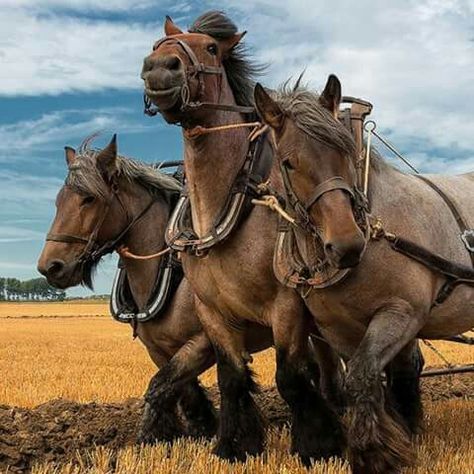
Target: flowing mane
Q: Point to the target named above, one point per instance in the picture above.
(240, 69)
(84, 176)
(303, 106)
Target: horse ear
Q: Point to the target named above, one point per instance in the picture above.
(106, 160)
(170, 28)
(267, 108)
(331, 96)
(70, 155)
(228, 44)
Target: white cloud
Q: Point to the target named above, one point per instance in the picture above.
(52, 54)
(414, 60)
(19, 234)
(19, 187)
(80, 5)
(53, 130)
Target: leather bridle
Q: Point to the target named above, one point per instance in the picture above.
(196, 70)
(93, 251)
(302, 209)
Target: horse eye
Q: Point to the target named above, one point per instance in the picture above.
(286, 163)
(212, 49)
(88, 200)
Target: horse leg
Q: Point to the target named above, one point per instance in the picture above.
(377, 443)
(198, 410)
(158, 420)
(404, 385)
(170, 425)
(331, 371)
(315, 430)
(241, 428)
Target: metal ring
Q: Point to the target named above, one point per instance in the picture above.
(372, 127)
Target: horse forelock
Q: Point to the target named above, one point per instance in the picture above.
(304, 108)
(240, 69)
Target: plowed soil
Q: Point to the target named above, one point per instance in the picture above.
(56, 430)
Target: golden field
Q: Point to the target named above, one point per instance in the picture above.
(47, 352)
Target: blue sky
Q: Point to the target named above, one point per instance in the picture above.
(70, 68)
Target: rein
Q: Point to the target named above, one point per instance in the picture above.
(196, 70)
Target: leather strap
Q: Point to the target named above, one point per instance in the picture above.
(66, 238)
(242, 109)
(337, 182)
(463, 226)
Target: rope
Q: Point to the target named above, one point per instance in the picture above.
(124, 252)
(372, 124)
(272, 203)
(199, 130)
(438, 353)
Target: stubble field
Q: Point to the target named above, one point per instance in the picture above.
(75, 352)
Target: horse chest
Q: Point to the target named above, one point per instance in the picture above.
(228, 286)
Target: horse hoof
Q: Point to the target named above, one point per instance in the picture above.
(226, 451)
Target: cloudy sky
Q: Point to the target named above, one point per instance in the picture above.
(71, 67)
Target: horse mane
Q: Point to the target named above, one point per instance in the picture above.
(85, 177)
(240, 69)
(304, 107)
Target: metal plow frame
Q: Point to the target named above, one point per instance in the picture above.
(452, 369)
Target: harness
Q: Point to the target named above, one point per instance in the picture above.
(195, 70)
(180, 234)
(289, 266)
(122, 304)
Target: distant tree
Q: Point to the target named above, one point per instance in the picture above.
(12, 289)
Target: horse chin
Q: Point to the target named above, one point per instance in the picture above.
(75, 274)
(348, 261)
(68, 278)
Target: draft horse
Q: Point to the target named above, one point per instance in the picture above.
(399, 262)
(110, 201)
(203, 79)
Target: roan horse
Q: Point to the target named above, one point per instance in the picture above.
(203, 78)
(372, 316)
(104, 194)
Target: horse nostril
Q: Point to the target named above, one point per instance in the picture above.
(329, 248)
(55, 267)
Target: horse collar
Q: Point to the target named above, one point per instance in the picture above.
(180, 234)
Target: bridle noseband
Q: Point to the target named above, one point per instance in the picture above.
(359, 200)
(196, 70)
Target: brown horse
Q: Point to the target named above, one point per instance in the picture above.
(372, 316)
(103, 194)
(203, 78)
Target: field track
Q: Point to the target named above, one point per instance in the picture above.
(71, 406)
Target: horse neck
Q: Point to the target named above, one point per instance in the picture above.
(143, 239)
(212, 162)
(385, 183)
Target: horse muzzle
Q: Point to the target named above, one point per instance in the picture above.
(60, 274)
(164, 79)
(345, 253)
